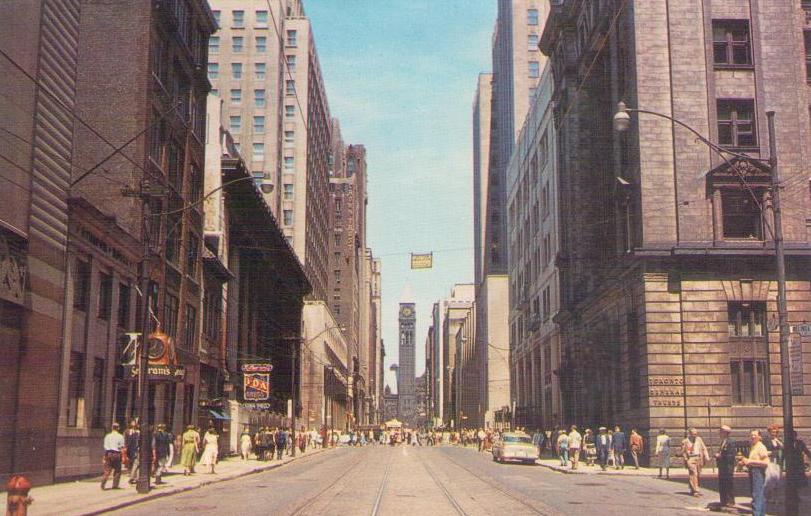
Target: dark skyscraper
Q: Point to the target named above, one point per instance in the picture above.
(406, 391)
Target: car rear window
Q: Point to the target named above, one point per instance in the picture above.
(517, 439)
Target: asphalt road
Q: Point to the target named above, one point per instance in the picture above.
(426, 481)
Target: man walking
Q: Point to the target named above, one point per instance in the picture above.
(637, 446)
(575, 443)
(281, 443)
(132, 440)
(113, 444)
(695, 454)
(602, 443)
(618, 443)
(161, 443)
(725, 458)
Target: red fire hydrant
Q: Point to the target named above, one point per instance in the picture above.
(17, 500)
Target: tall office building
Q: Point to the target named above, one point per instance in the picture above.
(264, 64)
(406, 374)
(517, 66)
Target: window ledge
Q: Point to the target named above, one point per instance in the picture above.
(733, 67)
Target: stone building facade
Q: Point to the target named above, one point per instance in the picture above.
(533, 223)
(502, 102)
(666, 255)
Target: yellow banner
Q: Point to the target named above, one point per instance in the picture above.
(422, 261)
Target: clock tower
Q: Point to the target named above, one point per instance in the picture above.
(406, 375)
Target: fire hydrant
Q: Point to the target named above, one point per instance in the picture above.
(17, 500)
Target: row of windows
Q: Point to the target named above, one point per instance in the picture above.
(82, 289)
(235, 124)
(238, 19)
(238, 44)
(259, 73)
(235, 97)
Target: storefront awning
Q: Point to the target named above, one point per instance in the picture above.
(219, 415)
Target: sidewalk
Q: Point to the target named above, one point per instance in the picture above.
(85, 497)
(709, 482)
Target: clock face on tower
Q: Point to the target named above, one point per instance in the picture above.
(406, 311)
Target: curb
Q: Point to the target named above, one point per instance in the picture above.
(178, 490)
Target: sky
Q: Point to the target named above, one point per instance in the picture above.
(401, 77)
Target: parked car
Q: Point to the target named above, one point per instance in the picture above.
(515, 446)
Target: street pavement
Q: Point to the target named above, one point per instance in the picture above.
(380, 480)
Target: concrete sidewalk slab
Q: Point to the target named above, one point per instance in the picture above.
(85, 497)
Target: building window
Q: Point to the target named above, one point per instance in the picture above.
(236, 70)
(189, 327)
(288, 217)
(291, 64)
(534, 69)
(81, 286)
(214, 45)
(105, 296)
(235, 123)
(238, 44)
(736, 123)
(289, 111)
(741, 215)
(75, 388)
(238, 18)
(750, 382)
(171, 305)
(98, 393)
(289, 162)
(124, 293)
(747, 319)
(261, 19)
(258, 151)
(532, 16)
(258, 125)
(261, 44)
(533, 42)
(547, 304)
(192, 255)
(731, 43)
(236, 97)
(212, 313)
(289, 137)
(337, 274)
(215, 92)
(259, 98)
(259, 71)
(292, 38)
(288, 192)
(217, 16)
(213, 71)
(807, 40)
(290, 87)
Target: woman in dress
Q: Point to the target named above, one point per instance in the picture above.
(211, 448)
(663, 452)
(245, 441)
(190, 448)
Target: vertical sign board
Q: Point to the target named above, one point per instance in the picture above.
(256, 382)
(795, 363)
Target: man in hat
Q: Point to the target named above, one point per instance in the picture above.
(725, 458)
(602, 443)
(161, 443)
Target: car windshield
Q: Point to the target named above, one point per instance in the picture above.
(517, 439)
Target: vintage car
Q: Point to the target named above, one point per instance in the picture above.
(515, 446)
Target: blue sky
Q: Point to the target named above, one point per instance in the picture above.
(401, 76)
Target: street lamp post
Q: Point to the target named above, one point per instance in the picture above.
(622, 122)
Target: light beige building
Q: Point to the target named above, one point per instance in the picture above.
(533, 229)
(455, 311)
(517, 65)
(246, 68)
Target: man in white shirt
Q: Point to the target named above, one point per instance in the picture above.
(113, 444)
(575, 442)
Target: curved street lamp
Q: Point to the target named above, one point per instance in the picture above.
(622, 122)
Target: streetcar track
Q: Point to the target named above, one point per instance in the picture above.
(382, 488)
(500, 489)
(311, 500)
(444, 489)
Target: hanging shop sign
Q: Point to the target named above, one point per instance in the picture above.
(160, 373)
(795, 363)
(422, 261)
(256, 382)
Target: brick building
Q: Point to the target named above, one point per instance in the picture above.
(667, 262)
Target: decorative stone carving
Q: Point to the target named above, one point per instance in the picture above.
(12, 273)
